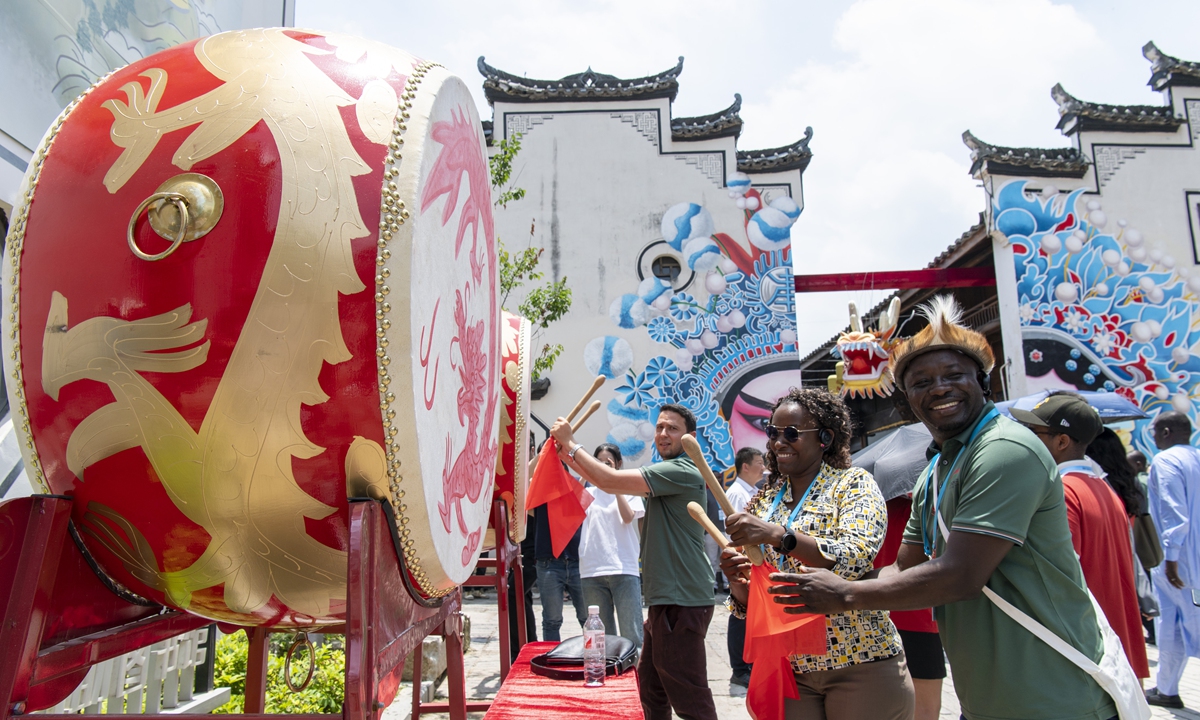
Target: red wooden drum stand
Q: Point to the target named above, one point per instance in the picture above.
(59, 618)
(508, 557)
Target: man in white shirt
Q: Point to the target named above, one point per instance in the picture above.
(749, 466)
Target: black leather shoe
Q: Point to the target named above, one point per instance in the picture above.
(1154, 697)
(742, 679)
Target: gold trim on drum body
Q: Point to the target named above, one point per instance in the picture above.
(518, 525)
(517, 382)
(14, 245)
(393, 215)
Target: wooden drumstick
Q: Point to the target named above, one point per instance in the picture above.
(692, 448)
(699, 515)
(586, 396)
(583, 418)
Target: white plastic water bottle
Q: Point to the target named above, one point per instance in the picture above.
(593, 648)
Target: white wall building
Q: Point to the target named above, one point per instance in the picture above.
(603, 162)
(1098, 245)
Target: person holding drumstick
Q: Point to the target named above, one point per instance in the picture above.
(677, 575)
(817, 511)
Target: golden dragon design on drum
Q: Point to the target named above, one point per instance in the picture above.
(233, 476)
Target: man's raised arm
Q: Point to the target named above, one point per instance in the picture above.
(628, 482)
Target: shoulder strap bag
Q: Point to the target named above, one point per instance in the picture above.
(1145, 542)
(565, 661)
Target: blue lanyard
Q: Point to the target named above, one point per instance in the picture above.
(795, 510)
(929, 541)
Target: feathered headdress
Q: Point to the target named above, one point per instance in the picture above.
(945, 332)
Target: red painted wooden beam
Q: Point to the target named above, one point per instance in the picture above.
(78, 654)
(982, 276)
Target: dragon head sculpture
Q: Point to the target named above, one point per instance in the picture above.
(865, 353)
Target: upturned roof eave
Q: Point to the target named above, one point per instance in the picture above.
(796, 156)
(1077, 115)
(587, 86)
(723, 123)
(1065, 162)
(1167, 71)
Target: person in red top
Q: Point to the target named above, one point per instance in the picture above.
(918, 630)
(1066, 424)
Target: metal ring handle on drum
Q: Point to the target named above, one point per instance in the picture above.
(300, 641)
(181, 203)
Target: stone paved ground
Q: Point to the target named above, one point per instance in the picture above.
(483, 669)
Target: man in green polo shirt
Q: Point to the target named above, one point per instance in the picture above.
(677, 580)
(1001, 505)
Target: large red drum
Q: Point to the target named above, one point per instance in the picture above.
(512, 464)
(251, 276)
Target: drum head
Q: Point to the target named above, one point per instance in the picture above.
(210, 393)
(447, 390)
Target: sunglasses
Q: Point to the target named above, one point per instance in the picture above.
(790, 433)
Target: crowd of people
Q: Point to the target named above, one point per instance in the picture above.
(1025, 544)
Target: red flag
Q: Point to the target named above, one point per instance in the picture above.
(771, 636)
(565, 499)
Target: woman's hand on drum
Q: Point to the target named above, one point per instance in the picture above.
(736, 568)
(747, 529)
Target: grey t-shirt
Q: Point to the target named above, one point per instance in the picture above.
(675, 568)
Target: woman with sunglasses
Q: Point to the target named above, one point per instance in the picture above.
(817, 511)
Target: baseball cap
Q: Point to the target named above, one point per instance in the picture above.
(1065, 413)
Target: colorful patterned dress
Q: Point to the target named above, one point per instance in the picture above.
(845, 513)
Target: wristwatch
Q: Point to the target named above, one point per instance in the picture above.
(574, 450)
(788, 543)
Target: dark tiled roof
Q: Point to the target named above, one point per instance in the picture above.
(587, 85)
(1166, 71)
(487, 130)
(789, 157)
(1077, 115)
(975, 233)
(706, 127)
(1038, 162)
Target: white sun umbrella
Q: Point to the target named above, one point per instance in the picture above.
(896, 461)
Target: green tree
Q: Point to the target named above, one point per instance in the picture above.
(544, 302)
(324, 693)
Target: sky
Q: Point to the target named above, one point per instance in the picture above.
(887, 86)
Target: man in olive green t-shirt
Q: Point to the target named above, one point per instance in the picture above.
(677, 580)
(1003, 526)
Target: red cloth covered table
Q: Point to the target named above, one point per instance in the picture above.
(525, 695)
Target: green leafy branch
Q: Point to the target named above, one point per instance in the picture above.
(518, 269)
(541, 307)
(501, 166)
